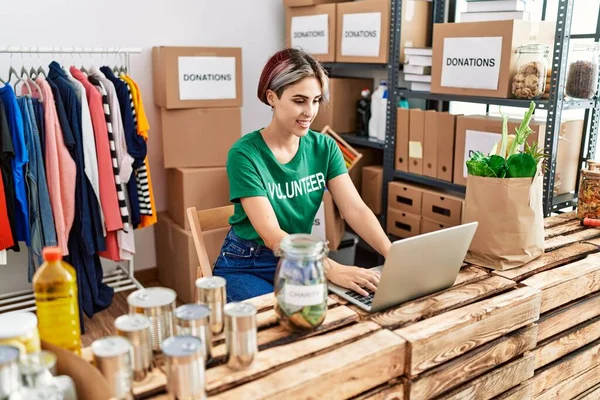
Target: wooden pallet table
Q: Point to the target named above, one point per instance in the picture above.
(528, 333)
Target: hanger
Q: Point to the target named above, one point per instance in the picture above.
(40, 70)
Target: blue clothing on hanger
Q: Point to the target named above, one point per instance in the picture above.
(19, 162)
(45, 210)
(38, 109)
(136, 145)
(86, 237)
(7, 153)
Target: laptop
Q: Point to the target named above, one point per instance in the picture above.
(415, 267)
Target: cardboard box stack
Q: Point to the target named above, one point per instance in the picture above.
(199, 91)
(425, 143)
(417, 68)
(495, 10)
(414, 210)
(372, 187)
(476, 58)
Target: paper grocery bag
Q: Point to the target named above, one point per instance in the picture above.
(511, 220)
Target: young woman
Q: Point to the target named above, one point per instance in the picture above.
(277, 177)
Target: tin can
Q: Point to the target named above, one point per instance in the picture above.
(158, 304)
(240, 334)
(194, 320)
(211, 292)
(20, 329)
(10, 380)
(112, 356)
(184, 367)
(136, 328)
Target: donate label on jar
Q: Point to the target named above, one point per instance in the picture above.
(207, 78)
(302, 296)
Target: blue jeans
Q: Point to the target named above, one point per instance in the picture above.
(248, 268)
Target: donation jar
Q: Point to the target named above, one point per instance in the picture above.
(300, 283)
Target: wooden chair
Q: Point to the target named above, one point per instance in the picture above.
(205, 220)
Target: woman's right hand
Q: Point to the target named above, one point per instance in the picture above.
(354, 278)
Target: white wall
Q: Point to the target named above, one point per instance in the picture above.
(255, 26)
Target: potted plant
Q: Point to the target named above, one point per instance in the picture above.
(504, 194)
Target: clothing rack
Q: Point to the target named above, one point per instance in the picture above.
(122, 278)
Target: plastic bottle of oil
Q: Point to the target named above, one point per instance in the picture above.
(55, 288)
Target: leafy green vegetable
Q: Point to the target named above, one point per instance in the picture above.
(535, 151)
(498, 165)
(521, 165)
(504, 135)
(523, 131)
(478, 166)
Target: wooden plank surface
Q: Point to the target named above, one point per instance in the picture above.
(561, 241)
(522, 392)
(567, 368)
(277, 334)
(568, 316)
(591, 394)
(444, 337)
(573, 385)
(567, 283)
(566, 342)
(550, 260)
(564, 229)
(495, 382)
(437, 303)
(559, 219)
(473, 364)
(344, 372)
(392, 391)
(222, 378)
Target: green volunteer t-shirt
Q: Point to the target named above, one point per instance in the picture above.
(295, 189)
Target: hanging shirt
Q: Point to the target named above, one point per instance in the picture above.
(19, 162)
(90, 156)
(6, 236)
(136, 146)
(31, 176)
(145, 180)
(6, 155)
(60, 170)
(38, 109)
(69, 112)
(108, 192)
(126, 240)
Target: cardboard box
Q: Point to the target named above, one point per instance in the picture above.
(363, 31)
(192, 77)
(446, 128)
(405, 197)
(372, 187)
(340, 112)
(403, 224)
(567, 157)
(369, 157)
(442, 207)
(476, 58)
(430, 144)
(402, 136)
(304, 3)
(329, 224)
(177, 258)
(312, 29)
(429, 225)
(416, 17)
(415, 144)
(199, 137)
(202, 188)
(479, 133)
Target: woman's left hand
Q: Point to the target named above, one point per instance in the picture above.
(354, 278)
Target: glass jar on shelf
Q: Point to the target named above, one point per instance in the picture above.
(582, 76)
(529, 72)
(300, 283)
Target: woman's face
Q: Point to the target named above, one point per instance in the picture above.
(298, 106)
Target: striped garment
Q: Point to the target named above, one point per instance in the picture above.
(113, 153)
(141, 174)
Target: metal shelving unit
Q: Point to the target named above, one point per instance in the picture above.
(363, 141)
(431, 182)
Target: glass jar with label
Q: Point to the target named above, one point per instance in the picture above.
(582, 77)
(300, 282)
(529, 72)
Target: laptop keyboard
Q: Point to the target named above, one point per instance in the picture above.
(367, 300)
